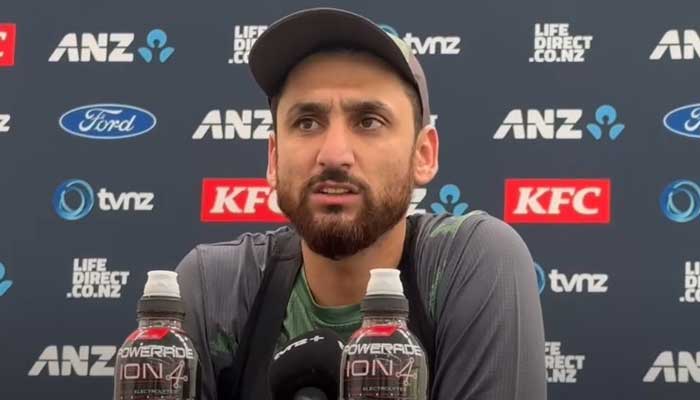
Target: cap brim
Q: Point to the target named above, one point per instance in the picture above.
(289, 40)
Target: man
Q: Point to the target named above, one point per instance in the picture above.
(352, 137)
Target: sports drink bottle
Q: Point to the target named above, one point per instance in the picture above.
(383, 359)
(158, 360)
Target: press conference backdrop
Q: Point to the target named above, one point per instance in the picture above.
(131, 131)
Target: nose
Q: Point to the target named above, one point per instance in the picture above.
(336, 150)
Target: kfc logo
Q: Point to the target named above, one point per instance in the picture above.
(8, 33)
(239, 200)
(557, 201)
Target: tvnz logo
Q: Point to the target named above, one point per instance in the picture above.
(74, 199)
(574, 283)
(442, 45)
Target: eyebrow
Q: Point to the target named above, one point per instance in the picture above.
(308, 107)
(348, 106)
(367, 106)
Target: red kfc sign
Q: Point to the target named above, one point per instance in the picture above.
(8, 33)
(239, 200)
(557, 201)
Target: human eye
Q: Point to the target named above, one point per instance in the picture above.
(306, 124)
(370, 123)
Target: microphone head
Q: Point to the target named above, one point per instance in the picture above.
(310, 393)
(311, 360)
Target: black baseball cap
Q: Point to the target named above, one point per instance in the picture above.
(289, 40)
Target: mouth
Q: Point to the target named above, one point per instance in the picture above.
(334, 193)
(334, 188)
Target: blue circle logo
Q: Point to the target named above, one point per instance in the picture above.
(681, 188)
(541, 278)
(85, 193)
(449, 195)
(4, 284)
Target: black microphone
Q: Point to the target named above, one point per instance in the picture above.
(308, 367)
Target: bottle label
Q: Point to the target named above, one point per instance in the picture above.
(384, 362)
(156, 363)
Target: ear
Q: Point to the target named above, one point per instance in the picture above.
(426, 156)
(272, 160)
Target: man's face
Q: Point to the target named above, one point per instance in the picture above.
(342, 156)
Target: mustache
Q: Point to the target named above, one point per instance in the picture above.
(338, 175)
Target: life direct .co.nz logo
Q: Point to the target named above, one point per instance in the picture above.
(107, 121)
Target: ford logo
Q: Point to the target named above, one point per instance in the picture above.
(684, 121)
(107, 121)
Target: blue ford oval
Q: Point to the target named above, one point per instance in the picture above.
(684, 121)
(107, 121)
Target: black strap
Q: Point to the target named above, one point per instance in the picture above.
(248, 377)
(418, 321)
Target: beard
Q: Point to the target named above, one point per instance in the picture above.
(328, 232)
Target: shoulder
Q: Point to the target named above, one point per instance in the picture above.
(246, 253)
(225, 276)
(476, 231)
(453, 252)
(485, 302)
